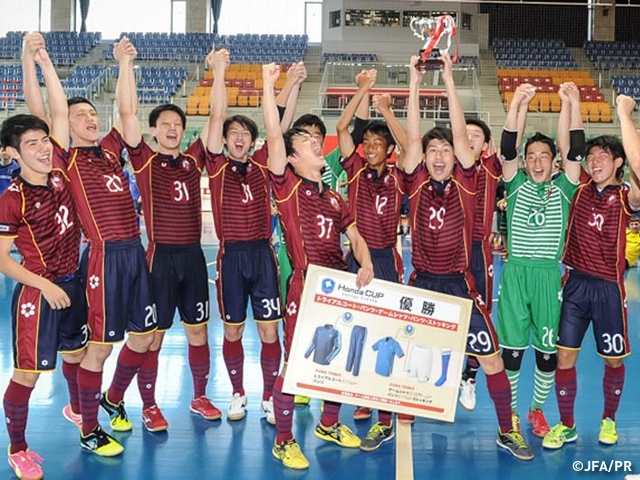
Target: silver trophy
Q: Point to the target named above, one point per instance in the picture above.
(438, 34)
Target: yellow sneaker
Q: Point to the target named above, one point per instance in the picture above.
(608, 434)
(338, 433)
(301, 400)
(117, 414)
(101, 443)
(290, 454)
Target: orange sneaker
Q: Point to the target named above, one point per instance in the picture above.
(153, 419)
(404, 418)
(203, 407)
(26, 465)
(539, 425)
(362, 413)
(72, 417)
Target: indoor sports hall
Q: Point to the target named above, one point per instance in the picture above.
(498, 45)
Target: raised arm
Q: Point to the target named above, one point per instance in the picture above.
(564, 121)
(512, 125)
(461, 146)
(413, 152)
(287, 99)
(631, 144)
(572, 163)
(32, 43)
(218, 62)
(363, 256)
(126, 92)
(365, 80)
(382, 105)
(275, 141)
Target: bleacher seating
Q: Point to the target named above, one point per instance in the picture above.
(64, 48)
(84, 81)
(533, 53)
(11, 86)
(244, 88)
(627, 85)
(607, 55)
(193, 47)
(594, 106)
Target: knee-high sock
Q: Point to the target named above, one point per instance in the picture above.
(89, 384)
(612, 385)
(233, 355)
(200, 364)
(446, 356)
(514, 379)
(16, 411)
(542, 385)
(471, 369)
(147, 376)
(70, 373)
(283, 407)
(270, 362)
(330, 413)
(129, 362)
(566, 388)
(500, 393)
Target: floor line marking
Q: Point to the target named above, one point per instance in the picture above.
(404, 452)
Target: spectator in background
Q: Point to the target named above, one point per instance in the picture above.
(633, 242)
(9, 169)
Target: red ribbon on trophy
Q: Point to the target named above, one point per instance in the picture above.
(437, 33)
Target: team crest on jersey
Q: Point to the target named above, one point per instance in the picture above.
(109, 156)
(56, 181)
(612, 198)
(163, 164)
(334, 203)
(186, 164)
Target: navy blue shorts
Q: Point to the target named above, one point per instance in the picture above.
(387, 264)
(180, 280)
(118, 288)
(39, 332)
(248, 269)
(589, 299)
(482, 339)
(482, 270)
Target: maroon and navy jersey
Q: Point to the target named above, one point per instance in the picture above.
(101, 190)
(596, 235)
(489, 173)
(42, 221)
(374, 201)
(312, 221)
(441, 220)
(170, 190)
(240, 197)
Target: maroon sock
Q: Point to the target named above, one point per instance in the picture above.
(566, 389)
(16, 411)
(500, 392)
(89, 384)
(612, 385)
(70, 373)
(384, 417)
(283, 408)
(128, 364)
(233, 355)
(330, 413)
(200, 363)
(270, 363)
(147, 376)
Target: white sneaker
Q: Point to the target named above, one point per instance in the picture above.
(267, 408)
(468, 394)
(236, 409)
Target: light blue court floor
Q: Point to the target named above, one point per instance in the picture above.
(196, 449)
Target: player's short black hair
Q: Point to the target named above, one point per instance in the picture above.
(166, 107)
(289, 135)
(380, 128)
(437, 133)
(311, 120)
(541, 138)
(486, 131)
(78, 100)
(246, 122)
(14, 127)
(613, 145)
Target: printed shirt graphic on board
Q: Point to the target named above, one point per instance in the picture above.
(325, 345)
(387, 349)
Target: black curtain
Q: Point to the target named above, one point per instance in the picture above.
(216, 6)
(84, 13)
